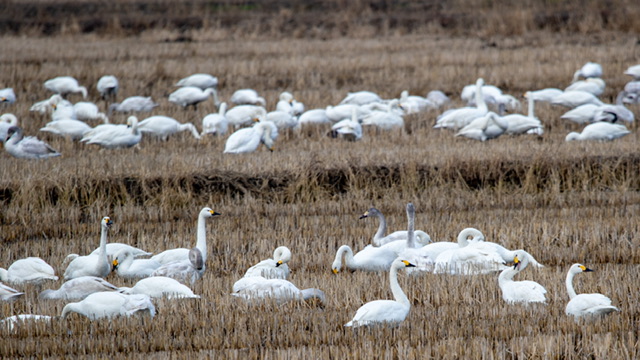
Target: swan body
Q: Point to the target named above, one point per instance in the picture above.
(487, 127)
(585, 304)
(582, 114)
(544, 95)
(520, 291)
(459, 118)
(256, 289)
(183, 271)
(361, 98)
(6, 121)
(438, 98)
(86, 111)
(164, 126)
(314, 116)
(202, 81)
(248, 139)
(114, 248)
(217, 123)
(69, 128)
(274, 268)
(379, 238)
(588, 70)
(243, 115)
(614, 113)
(79, 288)
(129, 268)
(7, 96)
(633, 71)
(8, 293)
(29, 270)
(114, 137)
(134, 103)
(191, 95)
(27, 147)
(594, 86)
(413, 103)
(288, 104)
(386, 120)
(247, 96)
(109, 304)
(385, 312)
(282, 120)
(599, 131)
(181, 254)
(348, 129)
(520, 124)
(92, 265)
(371, 258)
(64, 85)
(470, 257)
(344, 111)
(64, 109)
(161, 286)
(108, 86)
(573, 99)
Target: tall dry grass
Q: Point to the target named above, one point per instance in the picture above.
(562, 202)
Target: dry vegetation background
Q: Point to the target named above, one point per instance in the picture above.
(562, 202)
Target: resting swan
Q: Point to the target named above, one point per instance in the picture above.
(79, 288)
(520, 291)
(129, 268)
(161, 286)
(181, 254)
(109, 304)
(184, 271)
(31, 269)
(249, 139)
(92, 265)
(385, 312)
(459, 118)
(28, 147)
(274, 268)
(257, 289)
(379, 238)
(585, 304)
(470, 258)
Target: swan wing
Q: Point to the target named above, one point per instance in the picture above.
(379, 312)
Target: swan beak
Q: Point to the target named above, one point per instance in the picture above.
(408, 264)
(256, 119)
(213, 213)
(3, 99)
(279, 263)
(516, 262)
(335, 271)
(115, 263)
(585, 269)
(272, 148)
(109, 222)
(366, 214)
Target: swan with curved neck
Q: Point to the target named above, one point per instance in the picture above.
(389, 312)
(380, 239)
(274, 268)
(92, 265)
(130, 268)
(520, 291)
(183, 271)
(585, 304)
(109, 304)
(182, 254)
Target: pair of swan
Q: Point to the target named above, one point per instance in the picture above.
(461, 117)
(585, 304)
(109, 304)
(115, 136)
(216, 123)
(28, 147)
(379, 238)
(64, 85)
(413, 104)
(164, 126)
(184, 271)
(192, 95)
(79, 288)
(108, 86)
(29, 270)
(487, 127)
(249, 139)
(288, 104)
(92, 265)
(159, 287)
(385, 312)
(386, 119)
(599, 131)
(520, 291)
(520, 124)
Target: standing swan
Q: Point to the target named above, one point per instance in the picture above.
(391, 312)
(585, 304)
(92, 265)
(520, 291)
(181, 254)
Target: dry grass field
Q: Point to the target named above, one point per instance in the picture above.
(562, 202)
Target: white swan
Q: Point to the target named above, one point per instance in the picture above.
(216, 123)
(543, 95)
(113, 248)
(520, 124)
(371, 258)
(588, 70)
(63, 109)
(520, 291)
(202, 81)
(8, 293)
(87, 111)
(633, 71)
(361, 98)
(133, 103)
(31, 269)
(582, 114)
(116, 136)
(386, 120)
(585, 304)
(470, 257)
(282, 119)
(573, 99)
(247, 96)
(385, 312)
(164, 126)
(92, 265)
(256, 289)
(274, 268)
(616, 112)
(487, 127)
(7, 96)
(79, 288)
(344, 111)
(161, 286)
(27, 147)
(64, 85)
(599, 131)
(243, 115)
(6, 121)
(181, 254)
(108, 86)
(459, 118)
(413, 104)
(248, 139)
(314, 116)
(348, 129)
(438, 98)
(191, 95)
(594, 86)
(109, 304)
(288, 104)
(184, 271)
(68, 128)
(47, 105)
(379, 238)
(129, 268)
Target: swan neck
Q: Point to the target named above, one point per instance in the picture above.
(411, 235)
(480, 97)
(4, 275)
(570, 290)
(531, 110)
(619, 98)
(382, 229)
(201, 242)
(396, 290)
(507, 275)
(103, 244)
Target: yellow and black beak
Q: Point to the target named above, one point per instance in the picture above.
(366, 214)
(516, 262)
(585, 269)
(408, 264)
(279, 263)
(335, 271)
(115, 264)
(214, 213)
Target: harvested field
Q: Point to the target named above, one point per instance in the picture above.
(562, 202)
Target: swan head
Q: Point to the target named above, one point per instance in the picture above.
(399, 264)
(9, 118)
(106, 222)
(579, 268)
(281, 255)
(370, 212)
(572, 136)
(208, 212)
(286, 96)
